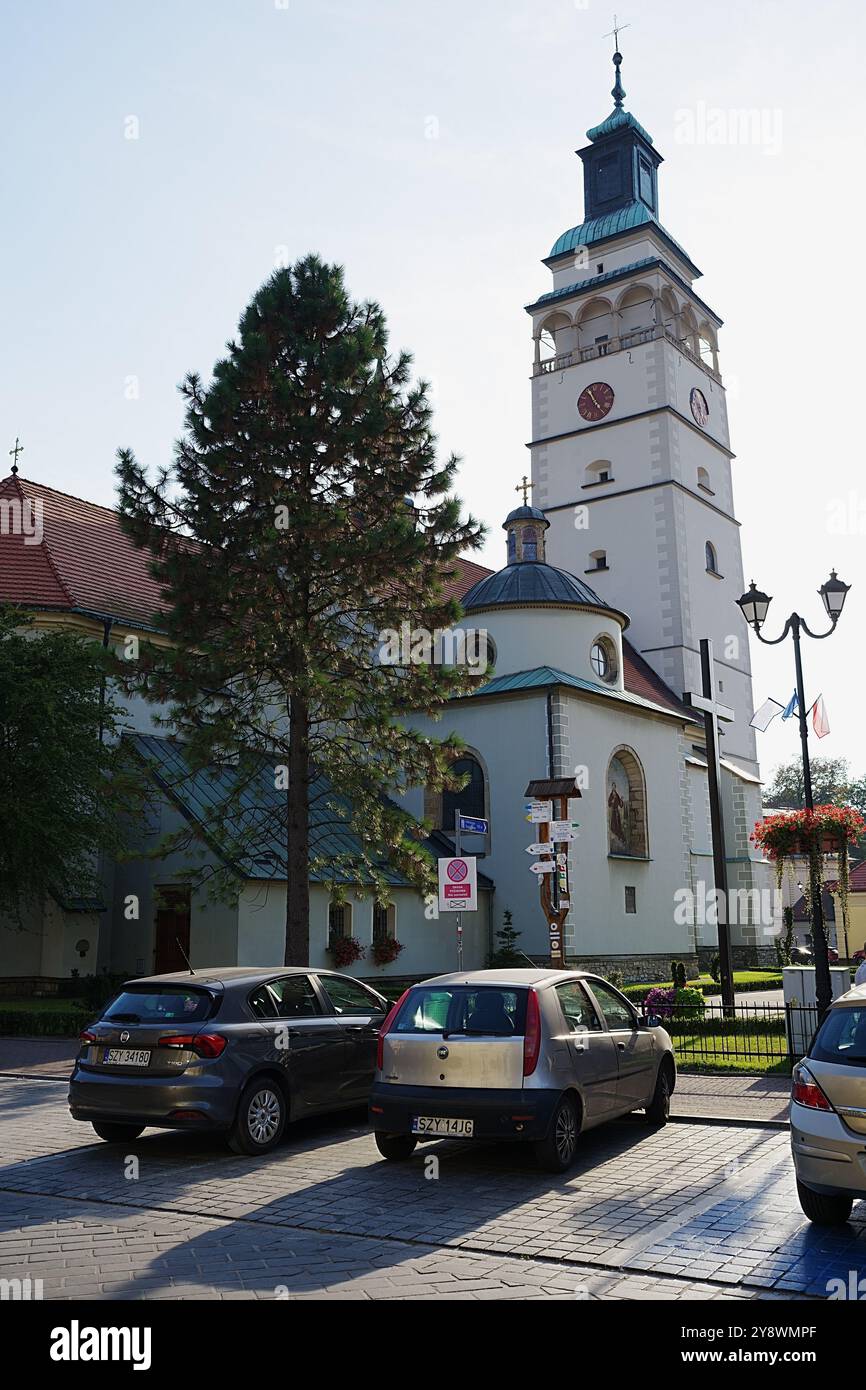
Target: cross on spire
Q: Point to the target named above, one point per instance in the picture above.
(617, 91)
(615, 32)
(525, 487)
(19, 449)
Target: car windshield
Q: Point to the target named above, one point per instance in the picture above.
(169, 1004)
(842, 1038)
(463, 1009)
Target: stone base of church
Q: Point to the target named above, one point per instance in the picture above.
(636, 970)
(744, 957)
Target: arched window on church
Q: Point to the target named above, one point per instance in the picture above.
(626, 806)
(471, 800)
(512, 547)
(711, 558)
(530, 543)
(704, 480)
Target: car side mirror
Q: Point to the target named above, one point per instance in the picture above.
(650, 1021)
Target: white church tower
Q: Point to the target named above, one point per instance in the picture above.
(631, 457)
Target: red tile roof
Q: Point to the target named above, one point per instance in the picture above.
(87, 562)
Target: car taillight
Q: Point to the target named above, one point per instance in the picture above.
(205, 1044)
(531, 1035)
(87, 1036)
(389, 1018)
(806, 1091)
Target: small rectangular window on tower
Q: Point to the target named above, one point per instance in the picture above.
(631, 899)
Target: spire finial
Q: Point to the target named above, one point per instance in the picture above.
(617, 91)
(19, 449)
(524, 487)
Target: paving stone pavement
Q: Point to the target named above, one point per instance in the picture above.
(688, 1211)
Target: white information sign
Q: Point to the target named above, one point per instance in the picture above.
(458, 885)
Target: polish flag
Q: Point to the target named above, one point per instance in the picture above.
(820, 722)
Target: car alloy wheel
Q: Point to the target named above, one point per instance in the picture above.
(565, 1135)
(263, 1116)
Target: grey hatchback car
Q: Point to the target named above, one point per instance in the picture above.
(531, 1055)
(828, 1114)
(241, 1051)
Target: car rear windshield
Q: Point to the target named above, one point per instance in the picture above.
(168, 1004)
(465, 1009)
(842, 1038)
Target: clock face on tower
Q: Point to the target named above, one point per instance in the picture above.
(700, 409)
(595, 400)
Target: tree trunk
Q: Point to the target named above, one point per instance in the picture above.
(298, 836)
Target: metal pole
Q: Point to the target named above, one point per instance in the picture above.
(823, 987)
(457, 848)
(720, 862)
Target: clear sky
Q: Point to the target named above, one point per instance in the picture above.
(429, 149)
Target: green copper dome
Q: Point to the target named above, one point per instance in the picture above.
(618, 120)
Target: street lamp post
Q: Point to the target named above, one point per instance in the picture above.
(754, 605)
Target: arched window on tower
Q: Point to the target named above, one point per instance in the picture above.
(711, 558)
(626, 806)
(512, 547)
(704, 481)
(530, 543)
(600, 471)
(471, 800)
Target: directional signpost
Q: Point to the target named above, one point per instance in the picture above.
(555, 832)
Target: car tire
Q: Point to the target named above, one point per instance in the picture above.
(395, 1147)
(261, 1117)
(117, 1133)
(557, 1151)
(823, 1210)
(659, 1109)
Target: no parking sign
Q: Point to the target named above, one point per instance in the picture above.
(458, 885)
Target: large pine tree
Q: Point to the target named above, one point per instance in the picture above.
(305, 518)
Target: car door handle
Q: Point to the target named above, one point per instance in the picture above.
(357, 1027)
(621, 1046)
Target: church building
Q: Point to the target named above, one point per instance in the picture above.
(623, 555)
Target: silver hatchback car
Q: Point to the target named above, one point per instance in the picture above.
(828, 1114)
(531, 1055)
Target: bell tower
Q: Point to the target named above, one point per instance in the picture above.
(631, 456)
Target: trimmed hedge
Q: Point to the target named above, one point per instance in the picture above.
(66, 1023)
(638, 993)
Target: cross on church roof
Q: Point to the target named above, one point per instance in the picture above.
(19, 449)
(525, 486)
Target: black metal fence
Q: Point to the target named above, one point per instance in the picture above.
(771, 1037)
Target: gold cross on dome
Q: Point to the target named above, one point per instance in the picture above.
(525, 486)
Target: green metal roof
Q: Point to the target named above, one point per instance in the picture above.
(625, 219)
(618, 120)
(541, 677)
(199, 795)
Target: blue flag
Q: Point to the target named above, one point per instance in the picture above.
(792, 707)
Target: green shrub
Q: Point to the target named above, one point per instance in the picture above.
(616, 978)
(691, 1000)
(15, 1023)
(716, 968)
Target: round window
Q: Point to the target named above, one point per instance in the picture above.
(602, 660)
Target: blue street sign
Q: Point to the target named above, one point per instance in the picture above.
(474, 825)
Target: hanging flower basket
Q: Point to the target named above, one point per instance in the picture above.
(345, 950)
(812, 834)
(386, 950)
